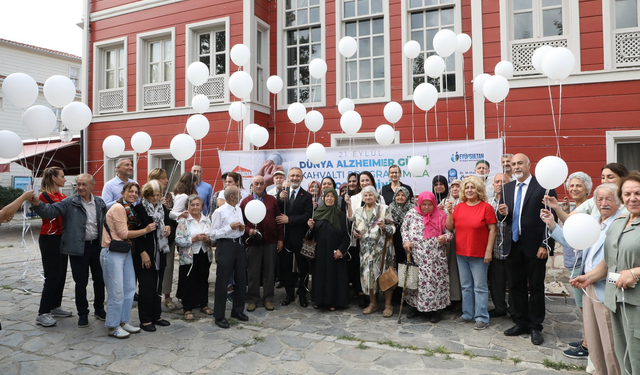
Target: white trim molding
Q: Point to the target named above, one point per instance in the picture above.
(129, 8)
(98, 69)
(142, 41)
(615, 137)
(370, 136)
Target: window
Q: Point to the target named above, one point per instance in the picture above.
(163, 159)
(115, 64)
(207, 42)
(212, 49)
(110, 165)
(57, 112)
(155, 66)
(627, 33)
(426, 18)
(303, 28)
(261, 64)
(365, 71)
(545, 21)
(110, 76)
(74, 73)
(160, 67)
(624, 147)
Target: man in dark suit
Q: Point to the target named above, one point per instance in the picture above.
(296, 206)
(527, 259)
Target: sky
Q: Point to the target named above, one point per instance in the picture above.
(43, 23)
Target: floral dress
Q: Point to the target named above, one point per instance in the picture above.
(183, 240)
(431, 258)
(372, 244)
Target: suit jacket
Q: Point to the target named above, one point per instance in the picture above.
(299, 213)
(532, 234)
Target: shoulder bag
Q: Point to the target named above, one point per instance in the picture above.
(117, 246)
(308, 247)
(389, 278)
(408, 274)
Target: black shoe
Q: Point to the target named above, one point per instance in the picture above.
(162, 323)
(516, 331)
(135, 297)
(536, 337)
(83, 321)
(364, 301)
(579, 352)
(575, 344)
(279, 284)
(493, 313)
(414, 313)
(222, 323)
(303, 301)
(287, 301)
(101, 314)
(435, 317)
(240, 316)
(149, 327)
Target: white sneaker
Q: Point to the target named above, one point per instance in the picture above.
(118, 333)
(590, 367)
(129, 328)
(60, 313)
(45, 320)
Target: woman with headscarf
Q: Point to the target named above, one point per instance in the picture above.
(330, 278)
(424, 234)
(400, 205)
(440, 188)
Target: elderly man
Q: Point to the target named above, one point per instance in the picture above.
(483, 170)
(497, 267)
(112, 190)
(505, 160)
(595, 315)
(528, 253)
(82, 222)
(278, 179)
(204, 189)
(264, 242)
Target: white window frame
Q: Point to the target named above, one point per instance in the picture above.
(154, 160)
(110, 165)
(192, 31)
(262, 94)
(407, 67)
(99, 50)
(75, 78)
(616, 137)
(341, 60)
(282, 100)
(570, 37)
(338, 139)
(142, 59)
(609, 35)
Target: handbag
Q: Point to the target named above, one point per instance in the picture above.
(308, 247)
(115, 245)
(389, 278)
(408, 275)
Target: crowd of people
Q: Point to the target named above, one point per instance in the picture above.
(470, 239)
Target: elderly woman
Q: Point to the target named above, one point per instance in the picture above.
(440, 189)
(475, 223)
(149, 256)
(374, 228)
(398, 209)
(117, 267)
(388, 191)
(424, 234)
(194, 249)
(595, 315)
(622, 256)
(329, 183)
(329, 229)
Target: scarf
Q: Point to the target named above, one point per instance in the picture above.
(133, 222)
(434, 221)
(329, 213)
(443, 196)
(156, 213)
(398, 212)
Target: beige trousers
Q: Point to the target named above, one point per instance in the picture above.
(598, 330)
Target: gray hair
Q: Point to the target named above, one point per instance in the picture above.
(370, 189)
(92, 181)
(507, 155)
(586, 180)
(230, 190)
(613, 188)
(119, 161)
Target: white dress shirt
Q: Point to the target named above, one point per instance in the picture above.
(221, 222)
(196, 228)
(526, 183)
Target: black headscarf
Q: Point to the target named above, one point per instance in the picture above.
(442, 196)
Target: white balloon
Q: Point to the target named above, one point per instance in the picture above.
(505, 69)
(478, 83)
(237, 111)
(259, 136)
(20, 90)
(417, 166)
(551, 172)
(240, 54)
(347, 46)
(314, 121)
(59, 91)
(76, 116)
(445, 42)
(317, 68)
(255, 211)
(198, 126)
(346, 104)
(241, 84)
(274, 84)
(464, 43)
(412, 49)
(558, 63)
(10, 144)
(316, 153)
(495, 88)
(425, 96)
(182, 147)
(66, 136)
(39, 121)
(538, 55)
(393, 112)
(197, 73)
(350, 122)
(296, 112)
(200, 103)
(113, 146)
(434, 66)
(141, 142)
(247, 131)
(385, 135)
(581, 231)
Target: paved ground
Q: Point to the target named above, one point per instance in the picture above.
(288, 340)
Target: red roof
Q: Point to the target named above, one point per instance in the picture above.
(40, 49)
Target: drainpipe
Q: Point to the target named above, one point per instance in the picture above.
(86, 41)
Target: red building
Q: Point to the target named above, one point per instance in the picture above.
(138, 53)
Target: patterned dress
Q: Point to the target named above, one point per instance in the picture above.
(431, 258)
(372, 244)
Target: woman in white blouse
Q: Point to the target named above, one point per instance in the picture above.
(185, 187)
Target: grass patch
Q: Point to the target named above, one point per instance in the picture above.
(390, 343)
(412, 347)
(233, 322)
(516, 360)
(469, 353)
(349, 338)
(496, 358)
(448, 357)
(442, 350)
(362, 346)
(258, 338)
(247, 344)
(428, 352)
(8, 287)
(562, 366)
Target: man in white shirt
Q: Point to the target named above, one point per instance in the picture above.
(112, 190)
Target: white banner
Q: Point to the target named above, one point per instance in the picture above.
(454, 160)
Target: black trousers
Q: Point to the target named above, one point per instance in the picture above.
(80, 266)
(528, 303)
(230, 257)
(498, 279)
(55, 272)
(193, 282)
(149, 288)
(353, 268)
(286, 272)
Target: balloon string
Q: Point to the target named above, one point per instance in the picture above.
(559, 117)
(446, 98)
(553, 117)
(435, 112)
(274, 121)
(466, 116)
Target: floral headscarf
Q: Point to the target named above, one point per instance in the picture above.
(434, 222)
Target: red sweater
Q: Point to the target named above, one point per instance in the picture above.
(52, 226)
(271, 232)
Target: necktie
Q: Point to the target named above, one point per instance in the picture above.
(515, 225)
(293, 198)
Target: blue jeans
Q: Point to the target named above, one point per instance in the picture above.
(120, 280)
(475, 293)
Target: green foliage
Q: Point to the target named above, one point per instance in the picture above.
(469, 353)
(562, 366)
(8, 195)
(516, 360)
(442, 350)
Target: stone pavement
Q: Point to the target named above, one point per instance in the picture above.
(289, 340)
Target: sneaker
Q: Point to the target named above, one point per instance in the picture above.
(479, 326)
(101, 314)
(83, 321)
(577, 353)
(45, 320)
(129, 328)
(118, 333)
(461, 320)
(575, 344)
(59, 313)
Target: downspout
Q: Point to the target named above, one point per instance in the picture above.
(86, 41)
